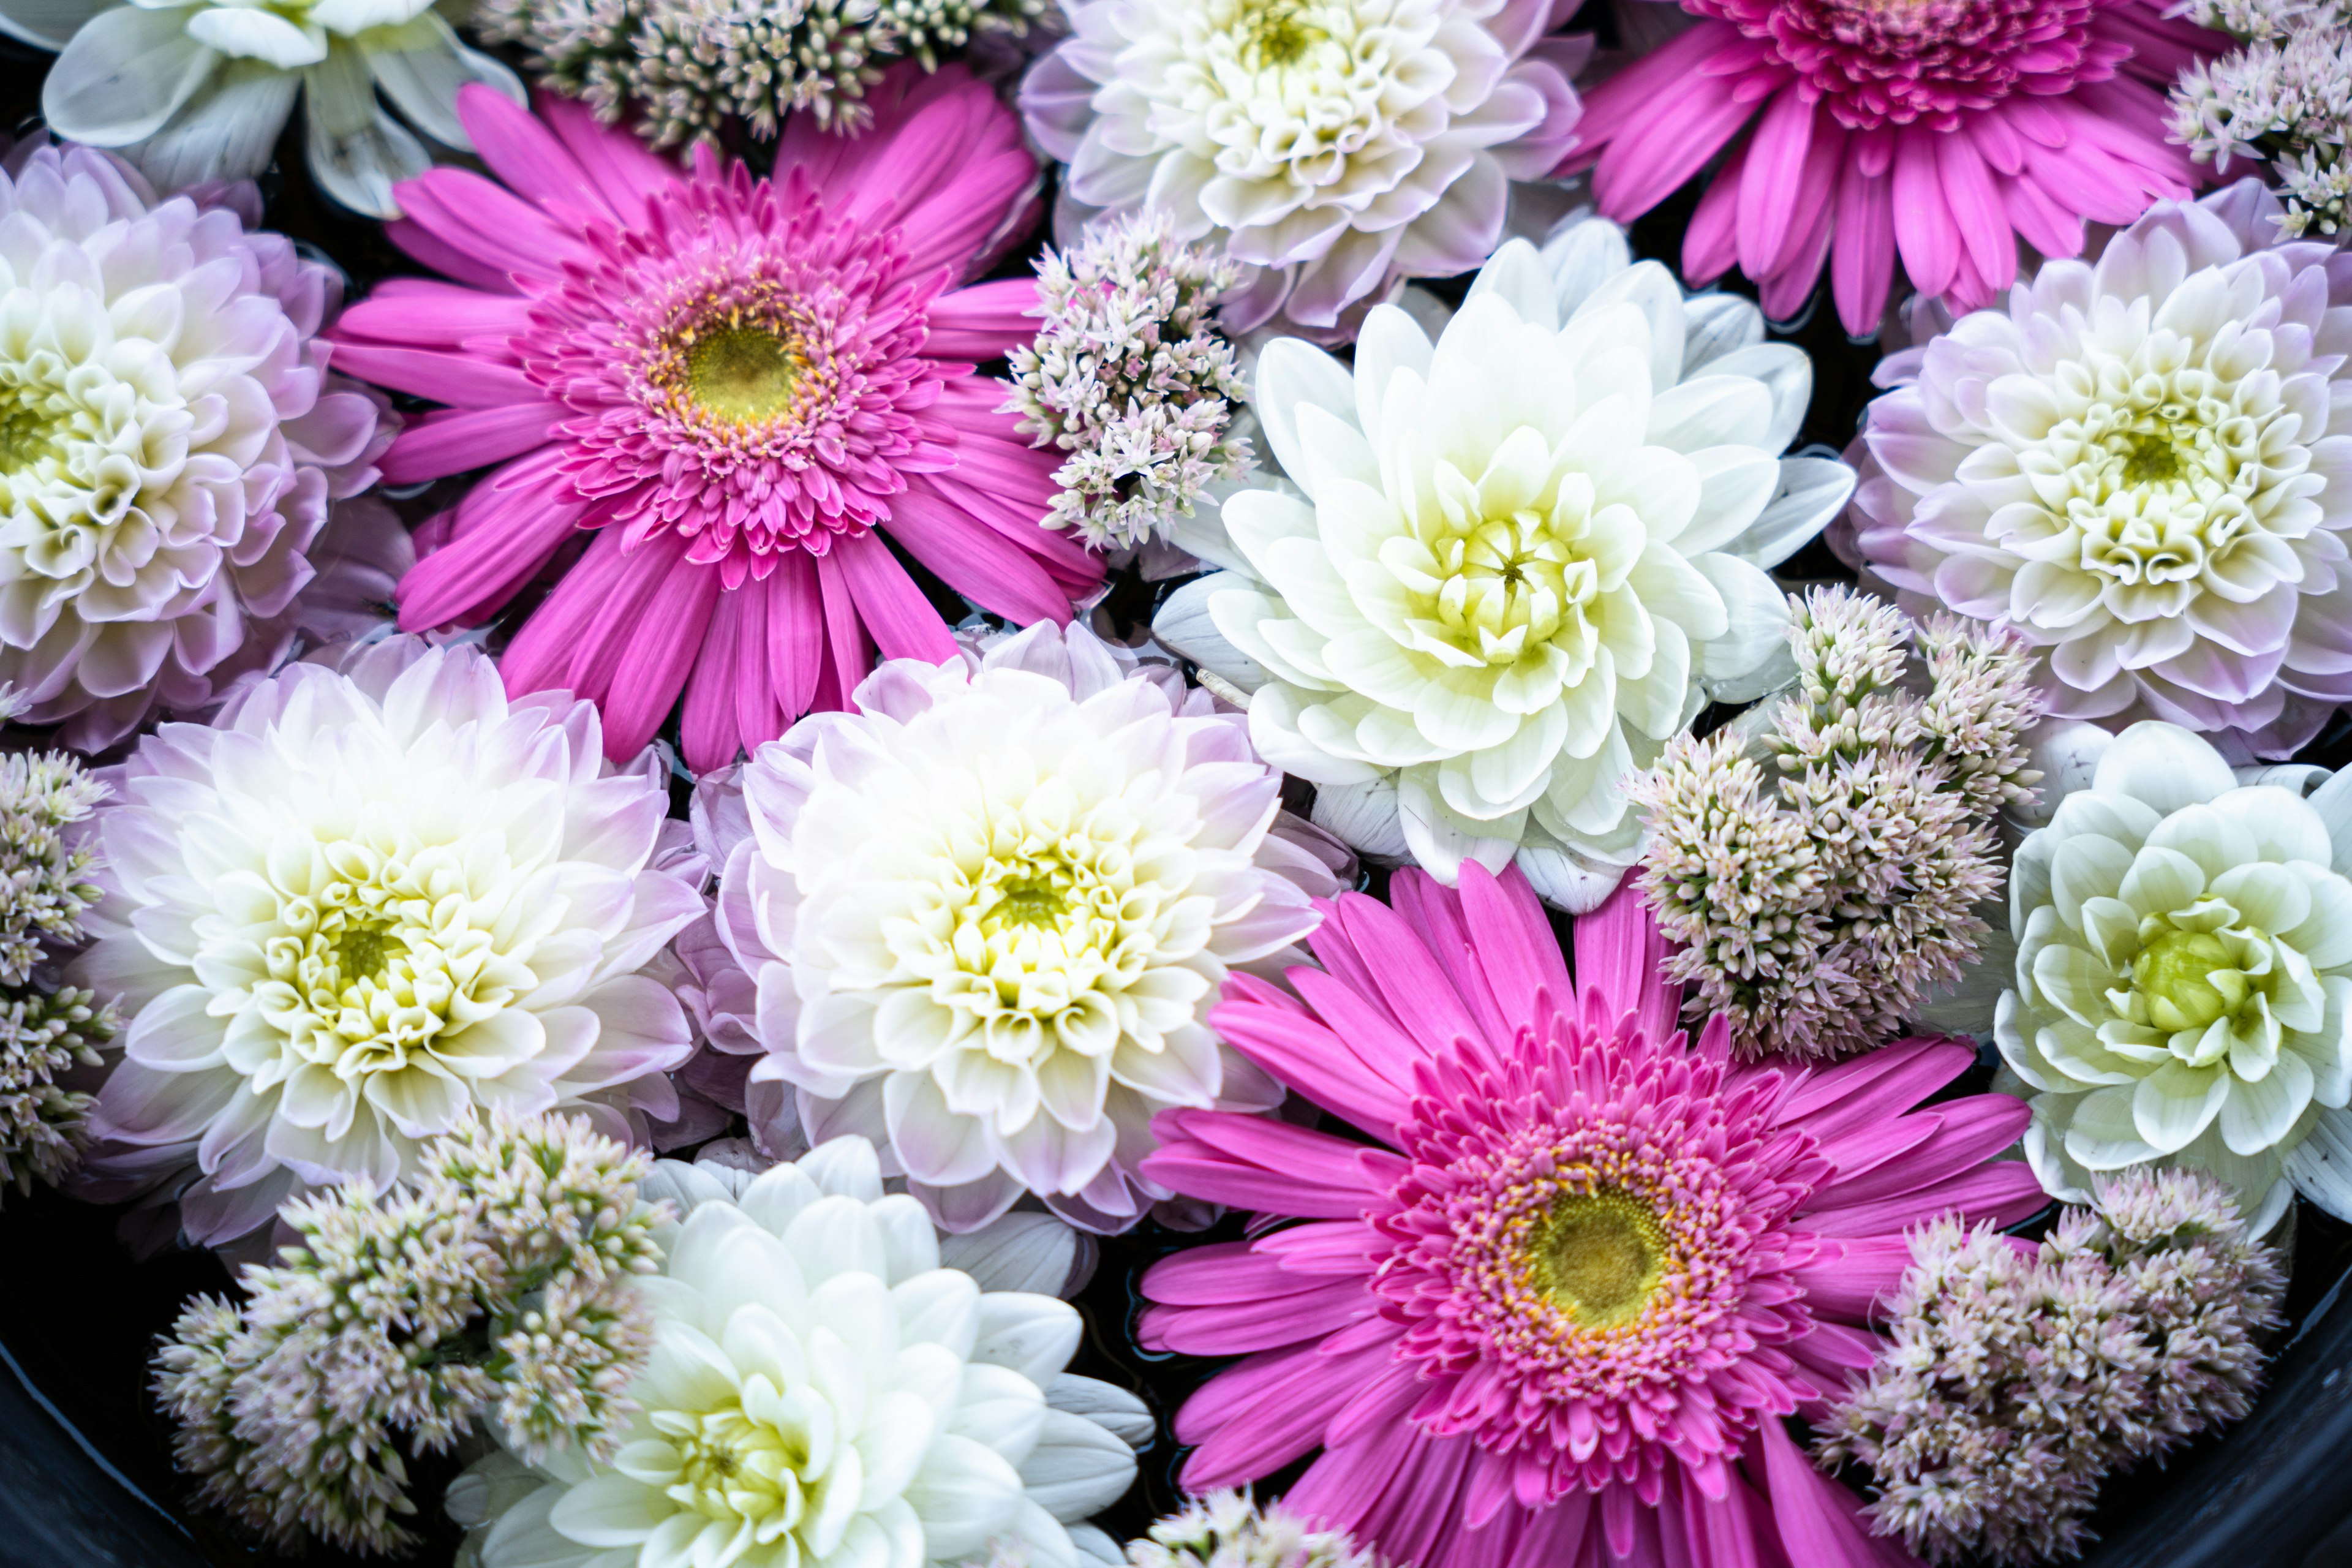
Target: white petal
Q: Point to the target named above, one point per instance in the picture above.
(127, 72)
(1077, 1468)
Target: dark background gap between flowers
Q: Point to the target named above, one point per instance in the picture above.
(79, 1316)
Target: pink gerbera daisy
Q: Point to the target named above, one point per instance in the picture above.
(742, 386)
(1555, 1316)
(1940, 130)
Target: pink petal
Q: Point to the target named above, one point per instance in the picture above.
(454, 440)
(505, 531)
(1619, 954)
(521, 151)
(902, 623)
(975, 560)
(1777, 154)
(1250, 1161)
(1924, 230)
(1323, 1066)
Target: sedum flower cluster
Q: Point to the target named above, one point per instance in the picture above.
(1228, 1529)
(493, 1288)
(46, 1031)
(2284, 99)
(1822, 876)
(2019, 1379)
(685, 68)
(1130, 377)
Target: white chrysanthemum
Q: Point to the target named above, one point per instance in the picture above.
(170, 442)
(362, 905)
(987, 913)
(831, 1386)
(1515, 563)
(2184, 975)
(192, 90)
(1339, 144)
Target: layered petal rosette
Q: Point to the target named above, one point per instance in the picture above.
(1506, 567)
(832, 1385)
(2184, 976)
(194, 90)
(1938, 133)
(1337, 146)
(985, 914)
(362, 906)
(2145, 467)
(170, 444)
(1553, 1298)
(740, 387)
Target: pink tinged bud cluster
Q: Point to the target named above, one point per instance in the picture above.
(1555, 1299)
(740, 386)
(1863, 134)
(2020, 1378)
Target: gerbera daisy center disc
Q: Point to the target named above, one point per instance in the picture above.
(1599, 1256)
(748, 374)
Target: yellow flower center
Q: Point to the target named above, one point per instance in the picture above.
(735, 1468)
(2154, 470)
(747, 375)
(32, 432)
(2186, 979)
(1599, 1256)
(1272, 33)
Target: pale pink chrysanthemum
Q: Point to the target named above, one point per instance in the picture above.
(172, 442)
(741, 385)
(1938, 132)
(2142, 468)
(1559, 1312)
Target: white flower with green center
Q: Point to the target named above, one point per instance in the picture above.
(2184, 975)
(986, 916)
(361, 908)
(1336, 144)
(832, 1387)
(192, 90)
(1514, 561)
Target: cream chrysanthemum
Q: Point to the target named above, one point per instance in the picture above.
(169, 443)
(1337, 144)
(987, 913)
(1524, 557)
(362, 905)
(831, 1386)
(2184, 976)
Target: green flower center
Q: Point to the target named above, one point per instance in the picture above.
(31, 432)
(2188, 979)
(1598, 1256)
(736, 1469)
(744, 374)
(1274, 33)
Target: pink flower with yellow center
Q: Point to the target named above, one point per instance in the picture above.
(1558, 1311)
(1938, 133)
(739, 386)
